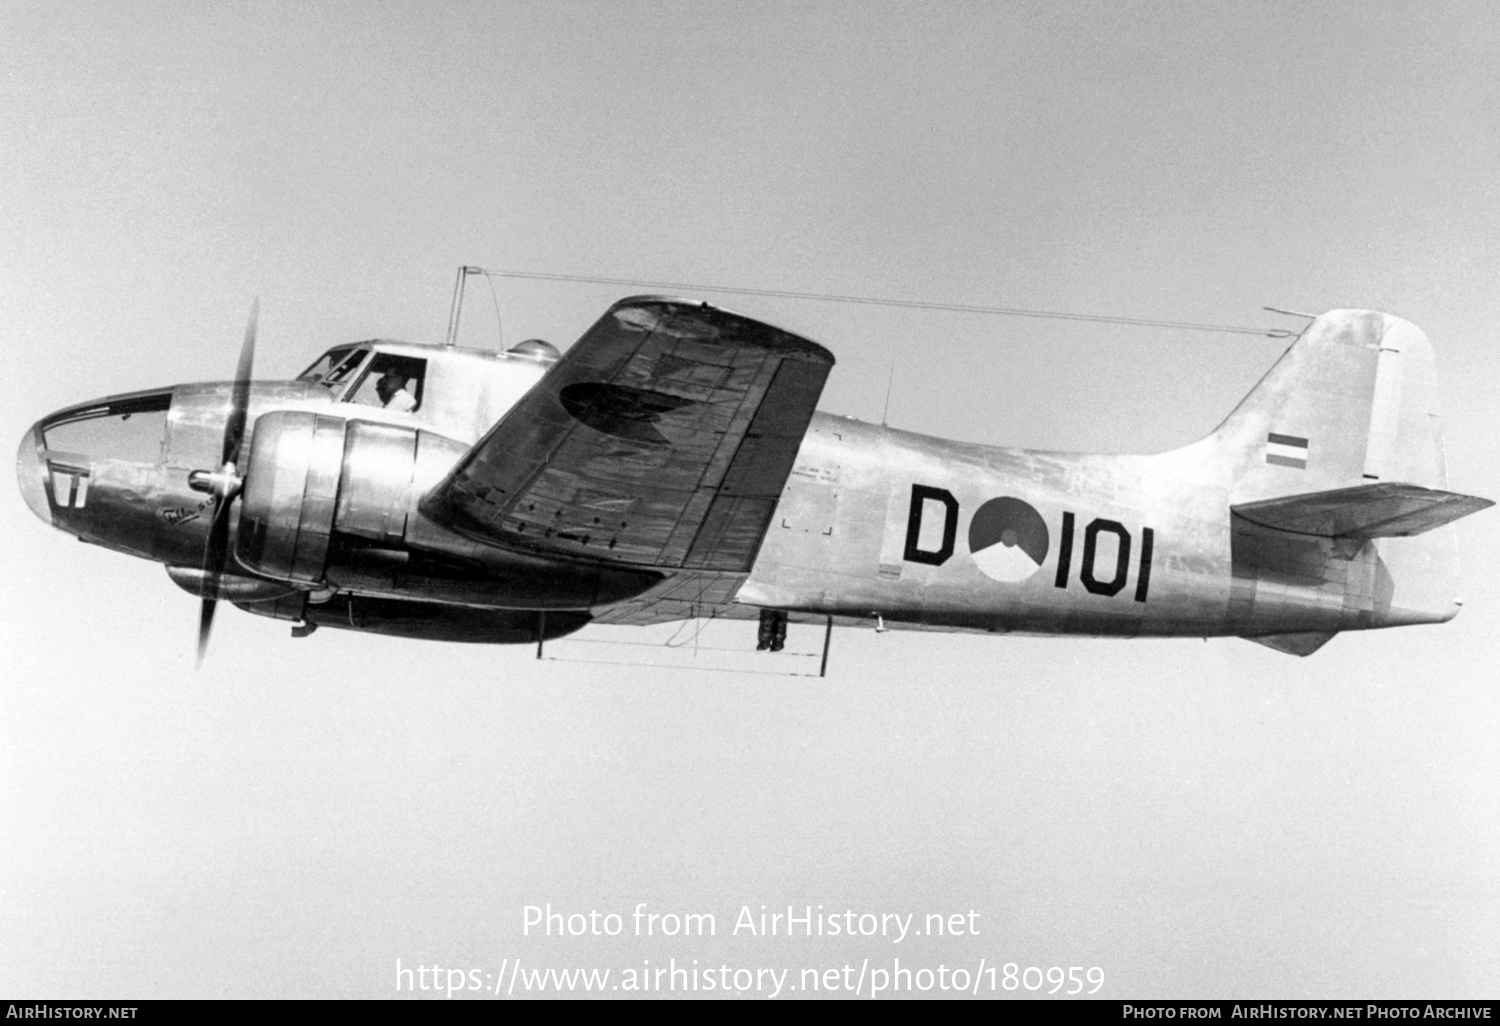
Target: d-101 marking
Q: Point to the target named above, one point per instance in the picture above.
(1009, 541)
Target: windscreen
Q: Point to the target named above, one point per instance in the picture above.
(334, 368)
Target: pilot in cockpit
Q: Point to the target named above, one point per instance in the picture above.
(391, 388)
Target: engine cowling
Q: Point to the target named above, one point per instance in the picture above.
(310, 476)
(291, 487)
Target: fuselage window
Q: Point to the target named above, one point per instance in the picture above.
(392, 382)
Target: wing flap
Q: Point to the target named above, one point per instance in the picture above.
(1382, 510)
(662, 438)
(740, 510)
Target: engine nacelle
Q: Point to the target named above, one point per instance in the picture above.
(331, 504)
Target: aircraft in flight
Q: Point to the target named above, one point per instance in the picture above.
(671, 464)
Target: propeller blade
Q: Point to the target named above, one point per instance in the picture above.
(239, 396)
(215, 558)
(205, 626)
(216, 552)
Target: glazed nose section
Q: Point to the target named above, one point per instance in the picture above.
(31, 474)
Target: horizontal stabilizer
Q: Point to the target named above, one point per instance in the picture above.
(1382, 510)
(1303, 643)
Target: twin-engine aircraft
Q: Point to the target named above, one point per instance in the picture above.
(671, 464)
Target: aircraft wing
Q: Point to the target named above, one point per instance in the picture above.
(1383, 510)
(662, 438)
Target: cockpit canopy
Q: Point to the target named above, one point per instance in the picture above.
(353, 375)
(457, 391)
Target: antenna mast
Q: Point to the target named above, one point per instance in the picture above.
(456, 311)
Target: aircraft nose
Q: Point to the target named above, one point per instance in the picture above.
(31, 474)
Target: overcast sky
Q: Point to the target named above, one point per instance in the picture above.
(1196, 819)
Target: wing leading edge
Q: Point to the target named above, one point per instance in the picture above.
(662, 438)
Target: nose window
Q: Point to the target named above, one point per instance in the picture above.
(128, 428)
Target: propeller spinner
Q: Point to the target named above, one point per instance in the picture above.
(225, 483)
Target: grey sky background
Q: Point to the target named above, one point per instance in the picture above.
(1198, 819)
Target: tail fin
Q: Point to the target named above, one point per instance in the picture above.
(1340, 445)
(1353, 400)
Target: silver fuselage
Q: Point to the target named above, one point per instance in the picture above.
(839, 537)
(874, 524)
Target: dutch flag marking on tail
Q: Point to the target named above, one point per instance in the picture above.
(1286, 451)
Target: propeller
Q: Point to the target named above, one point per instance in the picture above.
(225, 483)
